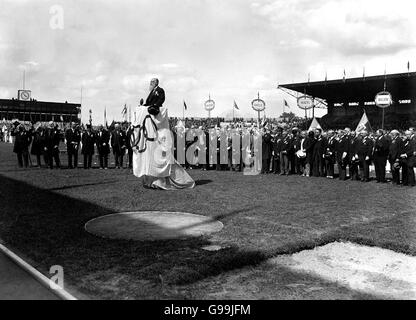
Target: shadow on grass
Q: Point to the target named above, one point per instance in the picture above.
(201, 182)
(48, 228)
(82, 185)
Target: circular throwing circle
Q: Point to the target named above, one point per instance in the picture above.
(152, 225)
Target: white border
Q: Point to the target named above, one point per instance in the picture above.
(43, 280)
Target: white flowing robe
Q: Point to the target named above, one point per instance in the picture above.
(153, 152)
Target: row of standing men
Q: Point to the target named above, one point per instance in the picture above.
(45, 141)
(315, 153)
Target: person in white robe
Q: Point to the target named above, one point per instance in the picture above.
(152, 143)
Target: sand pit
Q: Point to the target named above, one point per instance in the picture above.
(380, 272)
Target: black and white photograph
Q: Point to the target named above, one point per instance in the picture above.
(207, 154)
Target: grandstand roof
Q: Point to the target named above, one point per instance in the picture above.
(401, 86)
(34, 106)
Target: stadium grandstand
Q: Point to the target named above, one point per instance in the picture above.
(347, 99)
(24, 108)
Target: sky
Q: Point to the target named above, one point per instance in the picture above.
(229, 49)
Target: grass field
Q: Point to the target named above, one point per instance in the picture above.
(43, 213)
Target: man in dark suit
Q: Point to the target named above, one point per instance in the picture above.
(38, 145)
(206, 145)
(73, 139)
(284, 153)
(293, 159)
(23, 138)
(156, 97)
(318, 155)
(277, 145)
(330, 151)
(53, 138)
(266, 150)
(408, 159)
(129, 134)
(353, 158)
(88, 141)
(365, 150)
(380, 155)
(342, 153)
(118, 143)
(102, 140)
(395, 150)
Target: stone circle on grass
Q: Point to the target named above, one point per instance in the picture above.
(152, 225)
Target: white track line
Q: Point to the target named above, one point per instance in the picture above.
(61, 293)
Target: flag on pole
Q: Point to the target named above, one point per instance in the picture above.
(105, 117)
(129, 113)
(326, 76)
(124, 111)
(235, 105)
(184, 105)
(364, 73)
(309, 77)
(344, 76)
(408, 66)
(62, 118)
(285, 103)
(364, 124)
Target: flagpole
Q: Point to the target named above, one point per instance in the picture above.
(233, 111)
(385, 88)
(183, 110)
(258, 119)
(313, 108)
(129, 113)
(382, 120)
(80, 103)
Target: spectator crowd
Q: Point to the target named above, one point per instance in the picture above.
(285, 149)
